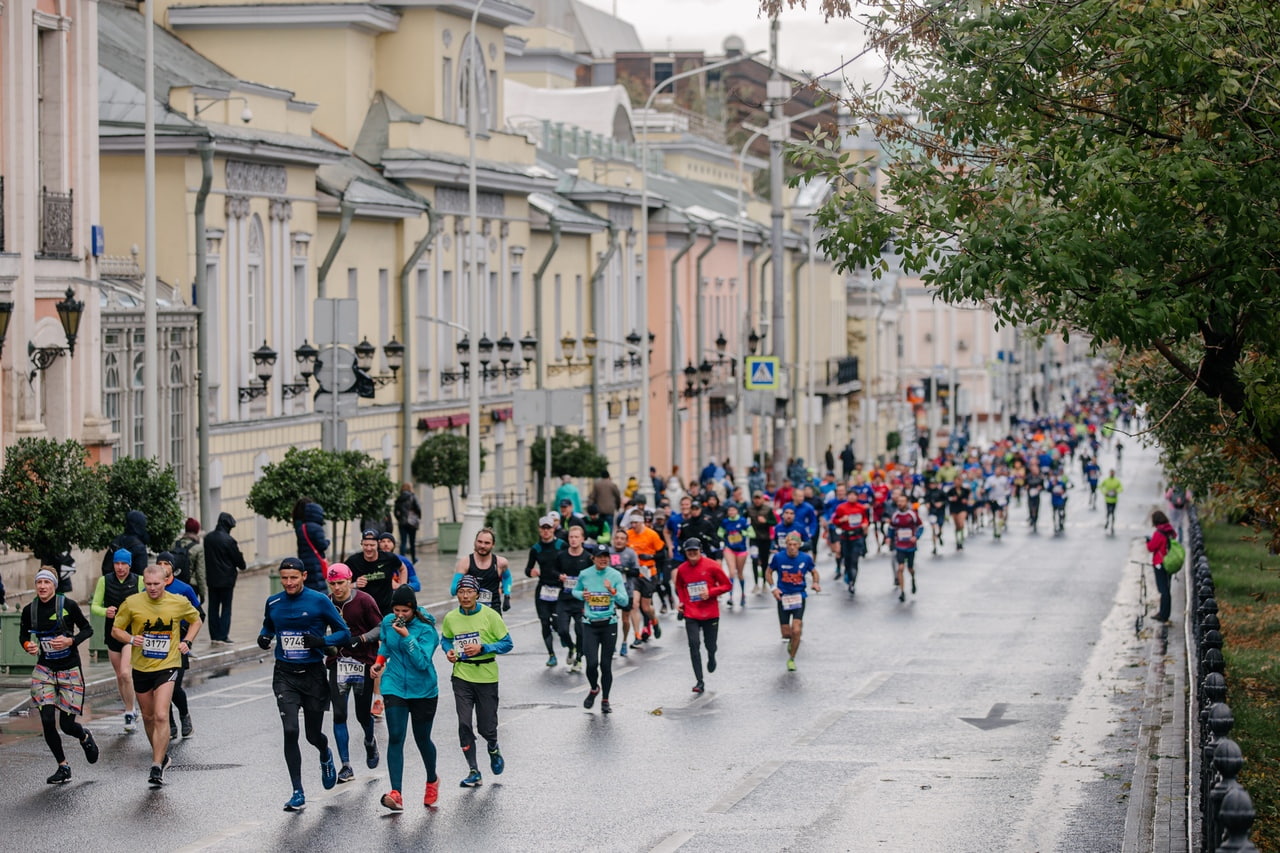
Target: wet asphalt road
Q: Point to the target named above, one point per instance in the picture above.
(995, 710)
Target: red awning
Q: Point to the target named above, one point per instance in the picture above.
(459, 420)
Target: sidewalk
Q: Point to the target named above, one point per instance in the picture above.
(435, 573)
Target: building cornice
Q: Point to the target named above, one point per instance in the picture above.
(363, 17)
(502, 13)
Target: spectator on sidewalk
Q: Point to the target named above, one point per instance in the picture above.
(605, 495)
(308, 528)
(223, 564)
(134, 539)
(408, 514)
(568, 491)
(1158, 544)
(188, 559)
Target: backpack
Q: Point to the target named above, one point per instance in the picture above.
(181, 552)
(1179, 499)
(1174, 557)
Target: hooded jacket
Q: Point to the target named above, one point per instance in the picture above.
(222, 558)
(134, 540)
(1158, 544)
(313, 524)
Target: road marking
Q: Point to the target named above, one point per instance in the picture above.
(749, 784)
(228, 689)
(873, 684)
(242, 702)
(673, 842)
(824, 722)
(231, 832)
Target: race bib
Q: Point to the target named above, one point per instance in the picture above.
(734, 538)
(350, 671)
(856, 519)
(1035, 493)
(1058, 490)
(156, 646)
(292, 646)
(697, 591)
(599, 602)
(463, 639)
(485, 596)
(1112, 493)
(548, 593)
(792, 601)
(904, 534)
(47, 649)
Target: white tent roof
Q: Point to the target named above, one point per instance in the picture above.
(605, 110)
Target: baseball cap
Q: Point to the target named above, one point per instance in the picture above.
(603, 551)
(566, 502)
(546, 521)
(757, 494)
(338, 572)
(292, 563)
(553, 515)
(691, 544)
(369, 534)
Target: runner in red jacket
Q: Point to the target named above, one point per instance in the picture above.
(700, 581)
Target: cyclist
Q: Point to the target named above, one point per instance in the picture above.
(1111, 489)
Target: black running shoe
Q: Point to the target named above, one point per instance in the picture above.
(61, 776)
(156, 778)
(591, 698)
(90, 748)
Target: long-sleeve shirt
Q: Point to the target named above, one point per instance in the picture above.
(409, 672)
(484, 626)
(364, 620)
(45, 621)
(600, 604)
(699, 585)
(289, 618)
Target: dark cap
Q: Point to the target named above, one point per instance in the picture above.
(387, 535)
(603, 551)
(691, 544)
(369, 534)
(292, 563)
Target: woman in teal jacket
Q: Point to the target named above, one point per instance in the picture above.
(409, 688)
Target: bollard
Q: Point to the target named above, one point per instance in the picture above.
(1236, 816)
(1228, 761)
(1219, 721)
(1212, 662)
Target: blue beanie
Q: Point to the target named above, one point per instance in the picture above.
(122, 555)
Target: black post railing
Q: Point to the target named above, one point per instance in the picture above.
(843, 370)
(1226, 810)
(57, 239)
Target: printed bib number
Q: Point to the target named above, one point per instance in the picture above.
(548, 593)
(485, 596)
(599, 602)
(1112, 493)
(792, 601)
(292, 645)
(350, 671)
(697, 591)
(905, 535)
(734, 538)
(1058, 490)
(156, 646)
(464, 639)
(1035, 493)
(47, 649)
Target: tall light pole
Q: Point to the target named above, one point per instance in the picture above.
(646, 482)
(150, 323)
(473, 516)
(777, 89)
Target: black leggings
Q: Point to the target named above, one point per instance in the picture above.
(313, 720)
(601, 639)
(567, 611)
(547, 616)
(180, 696)
(50, 719)
(761, 559)
(699, 631)
(851, 550)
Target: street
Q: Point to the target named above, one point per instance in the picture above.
(995, 710)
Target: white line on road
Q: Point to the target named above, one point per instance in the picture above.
(873, 684)
(673, 842)
(749, 784)
(230, 832)
(824, 722)
(228, 689)
(241, 702)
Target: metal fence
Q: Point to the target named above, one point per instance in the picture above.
(57, 226)
(1225, 808)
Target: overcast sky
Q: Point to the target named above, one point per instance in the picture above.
(805, 43)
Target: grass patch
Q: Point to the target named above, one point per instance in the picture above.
(1247, 586)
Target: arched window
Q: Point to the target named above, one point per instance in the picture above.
(484, 97)
(139, 447)
(177, 417)
(255, 297)
(111, 397)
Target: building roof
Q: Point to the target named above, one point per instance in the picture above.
(605, 110)
(359, 184)
(596, 33)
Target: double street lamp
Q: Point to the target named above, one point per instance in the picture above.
(484, 351)
(309, 364)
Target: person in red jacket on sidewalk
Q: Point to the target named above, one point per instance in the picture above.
(700, 581)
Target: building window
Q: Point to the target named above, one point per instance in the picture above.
(514, 313)
(422, 331)
(177, 418)
(111, 396)
(481, 76)
(559, 317)
(662, 72)
(446, 75)
(255, 294)
(137, 419)
(384, 307)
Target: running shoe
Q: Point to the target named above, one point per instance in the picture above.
(90, 748)
(591, 697)
(913, 584)
(902, 596)
(577, 663)
(432, 794)
(637, 643)
(851, 589)
(551, 661)
(664, 609)
(371, 753)
(188, 727)
(473, 780)
(604, 707)
(346, 774)
(156, 778)
(496, 761)
(393, 801)
(297, 802)
(61, 776)
(699, 688)
(376, 707)
(173, 729)
(791, 664)
(623, 651)
(730, 601)
(711, 663)
(328, 773)
(742, 601)
(657, 630)
(130, 722)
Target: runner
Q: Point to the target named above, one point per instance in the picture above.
(409, 685)
(151, 622)
(52, 628)
(573, 560)
(409, 576)
(763, 518)
(906, 527)
(602, 590)
(1092, 471)
(733, 531)
(649, 547)
(1035, 487)
(596, 526)
(348, 666)
(472, 636)
(852, 520)
(1111, 489)
(375, 572)
(790, 567)
(700, 581)
(626, 561)
(176, 586)
(296, 619)
(1058, 485)
(108, 595)
(935, 499)
(490, 569)
(998, 489)
(544, 561)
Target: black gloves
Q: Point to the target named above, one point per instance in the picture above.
(506, 603)
(311, 641)
(264, 641)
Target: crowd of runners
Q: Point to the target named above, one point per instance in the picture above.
(352, 635)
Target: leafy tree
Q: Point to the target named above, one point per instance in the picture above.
(1082, 166)
(314, 472)
(443, 460)
(571, 454)
(142, 484)
(371, 488)
(51, 500)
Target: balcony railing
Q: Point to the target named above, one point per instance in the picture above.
(842, 371)
(56, 224)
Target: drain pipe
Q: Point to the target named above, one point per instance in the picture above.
(597, 279)
(348, 211)
(540, 359)
(700, 338)
(675, 344)
(407, 339)
(205, 149)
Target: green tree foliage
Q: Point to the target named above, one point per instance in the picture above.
(144, 485)
(1082, 165)
(442, 461)
(313, 472)
(574, 455)
(516, 527)
(51, 500)
(371, 487)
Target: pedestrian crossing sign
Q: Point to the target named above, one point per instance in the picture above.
(762, 373)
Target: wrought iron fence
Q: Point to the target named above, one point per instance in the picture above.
(1225, 808)
(56, 224)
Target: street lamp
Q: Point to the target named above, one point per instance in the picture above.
(70, 312)
(264, 362)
